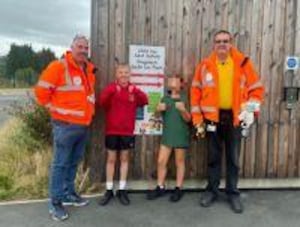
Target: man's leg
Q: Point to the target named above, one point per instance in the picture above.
(72, 198)
(232, 145)
(214, 161)
(214, 141)
(63, 142)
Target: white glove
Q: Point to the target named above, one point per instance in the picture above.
(246, 118)
(252, 106)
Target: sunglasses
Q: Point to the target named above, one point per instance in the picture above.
(225, 41)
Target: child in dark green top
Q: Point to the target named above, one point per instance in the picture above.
(176, 117)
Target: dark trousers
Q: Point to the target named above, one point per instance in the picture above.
(230, 136)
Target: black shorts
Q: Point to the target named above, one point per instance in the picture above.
(114, 142)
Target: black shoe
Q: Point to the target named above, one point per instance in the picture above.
(236, 204)
(207, 199)
(123, 197)
(106, 198)
(176, 195)
(156, 193)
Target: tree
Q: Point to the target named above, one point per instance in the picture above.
(19, 57)
(25, 77)
(22, 61)
(42, 59)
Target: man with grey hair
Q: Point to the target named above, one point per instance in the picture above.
(66, 89)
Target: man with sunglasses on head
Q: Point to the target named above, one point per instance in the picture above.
(226, 95)
(66, 89)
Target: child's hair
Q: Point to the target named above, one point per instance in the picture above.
(182, 81)
(120, 64)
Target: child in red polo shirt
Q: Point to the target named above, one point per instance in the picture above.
(120, 100)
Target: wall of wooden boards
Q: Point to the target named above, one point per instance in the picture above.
(266, 30)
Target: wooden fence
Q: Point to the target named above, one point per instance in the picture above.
(266, 30)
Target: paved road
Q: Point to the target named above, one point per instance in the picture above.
(7, 98)
(263, 209)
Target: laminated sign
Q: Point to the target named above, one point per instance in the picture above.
(147, 73)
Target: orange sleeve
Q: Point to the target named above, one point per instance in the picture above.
(195, 96)
(254, 85)
(48, 82)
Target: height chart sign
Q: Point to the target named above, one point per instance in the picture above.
(147, 72)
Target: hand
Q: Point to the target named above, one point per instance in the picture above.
(180, 106)
(161, 107)
(200, 130)
(117, 89)
(246, 118)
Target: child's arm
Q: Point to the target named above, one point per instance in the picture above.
(183, 111)
(105, 96)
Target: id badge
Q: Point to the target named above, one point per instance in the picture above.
(211, 128)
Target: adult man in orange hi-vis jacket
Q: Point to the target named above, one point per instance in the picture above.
(66, 89)
(226, 94)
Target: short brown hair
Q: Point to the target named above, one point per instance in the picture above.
(122, 65)
(181, 79)
(222, 32)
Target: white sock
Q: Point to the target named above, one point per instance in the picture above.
(122, 185)
(109, 185)
(161, 186)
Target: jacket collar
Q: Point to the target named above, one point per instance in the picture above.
(237, 56)
(69, 57)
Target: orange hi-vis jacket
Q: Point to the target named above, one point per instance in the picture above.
(67, 91)
(205, 93)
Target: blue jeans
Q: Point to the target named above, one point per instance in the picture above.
(69, 141)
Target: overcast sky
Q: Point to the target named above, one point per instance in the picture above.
(43, 23)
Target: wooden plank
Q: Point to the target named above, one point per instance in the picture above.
(285, 116)
(120, 33)
(276, 68)
(266, 78)
(99, 41)
(296, 82)
(244, 45)
(170, 20)
(254, 53)
(222, 14)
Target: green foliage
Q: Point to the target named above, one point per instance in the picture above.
(22, 65)
(18, 57)
(36, 128)
(42, 59)
(6, 185)
(2, 66)
(25, 77)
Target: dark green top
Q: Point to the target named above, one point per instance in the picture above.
(175, 129)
